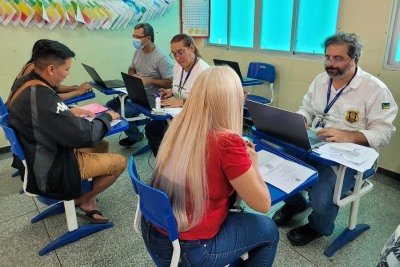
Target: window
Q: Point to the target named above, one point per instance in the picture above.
(241, 31)
(295, 26)
(392, 54)
(218, 16)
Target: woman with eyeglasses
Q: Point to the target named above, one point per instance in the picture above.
(202, 161)
(189, 65)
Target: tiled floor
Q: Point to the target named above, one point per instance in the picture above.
(20, 240)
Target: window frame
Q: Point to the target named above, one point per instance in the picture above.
(257, 35)
(392, 41)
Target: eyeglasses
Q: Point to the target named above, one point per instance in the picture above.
(178, 53)
(139, 37)
(335, 59)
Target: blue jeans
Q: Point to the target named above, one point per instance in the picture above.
(239, 233)
(132, 132)
(322, 218)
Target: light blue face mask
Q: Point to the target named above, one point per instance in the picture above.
(137, 43)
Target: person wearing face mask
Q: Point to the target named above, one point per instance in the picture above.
(153, 67)
(189, 65)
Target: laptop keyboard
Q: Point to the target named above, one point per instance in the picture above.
(314, 141)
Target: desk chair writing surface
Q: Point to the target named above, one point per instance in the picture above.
(80, 98)
(361, 187)
(107, 91)
(75, 232)
(119, 127)
(148, 112)
(278, 195)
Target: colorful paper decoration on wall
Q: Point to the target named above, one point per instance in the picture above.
(92, 14)
(195, 17)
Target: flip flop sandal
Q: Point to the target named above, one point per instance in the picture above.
(89, 217)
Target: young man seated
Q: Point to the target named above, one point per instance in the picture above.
(53, 135)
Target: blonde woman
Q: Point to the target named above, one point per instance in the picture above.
(202, 161)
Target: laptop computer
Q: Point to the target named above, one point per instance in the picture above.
(98, 80)
(235, 66)
(135, 88)
(285, 125)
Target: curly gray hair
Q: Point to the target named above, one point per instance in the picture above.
(352, 40)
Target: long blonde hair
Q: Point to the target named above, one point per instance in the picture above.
(215, 103)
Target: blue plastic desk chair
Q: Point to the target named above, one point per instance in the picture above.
(75, 232)
(155, 206)
(265, 72)
(3, 111)
(76, 99)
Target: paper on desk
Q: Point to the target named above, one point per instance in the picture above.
(112, 123)
(94, 107)
(354, 156)
(172, 111)
(281, 173)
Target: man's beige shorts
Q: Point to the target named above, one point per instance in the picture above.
(99, 164)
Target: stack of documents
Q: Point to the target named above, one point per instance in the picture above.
(282, 173)
(357, 157)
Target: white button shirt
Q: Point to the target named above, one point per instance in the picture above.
(366, 105)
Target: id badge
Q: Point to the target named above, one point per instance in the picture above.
(321, 122)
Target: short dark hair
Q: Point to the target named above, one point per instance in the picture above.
(51, 53)
(147, 30)
(353, 42)
(37, 44)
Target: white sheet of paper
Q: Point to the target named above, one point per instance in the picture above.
(357, 157)
(281, 173)
(112, 123)
(172, 111)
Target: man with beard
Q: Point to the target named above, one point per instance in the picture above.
(343, 104)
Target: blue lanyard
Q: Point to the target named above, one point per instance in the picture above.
(328, 96)
(187, 76)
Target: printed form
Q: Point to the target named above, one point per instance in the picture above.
(282, 173)
(354, 156)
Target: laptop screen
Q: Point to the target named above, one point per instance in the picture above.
(136, 92)
(279, 123)
(93, 74)
(234, 65)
